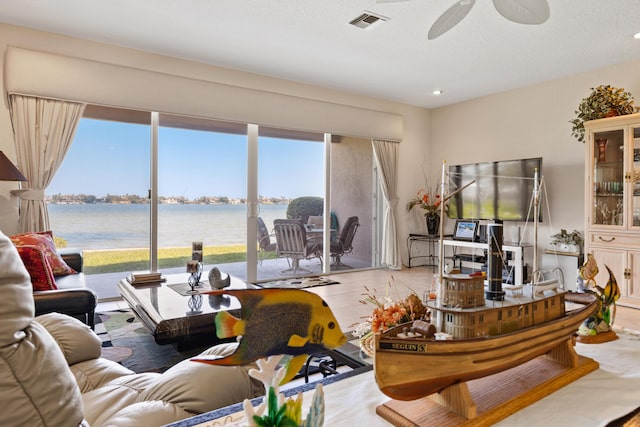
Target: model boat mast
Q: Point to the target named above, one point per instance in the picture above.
(441, 242)
(536, 208)
(443, 189)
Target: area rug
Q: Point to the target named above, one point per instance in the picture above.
(126, 341)
(632, 419)
(301, 283)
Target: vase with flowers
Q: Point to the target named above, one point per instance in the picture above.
(429, 201)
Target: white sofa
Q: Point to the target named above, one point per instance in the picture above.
(51, 373)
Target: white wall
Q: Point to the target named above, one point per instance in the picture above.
(532, 122)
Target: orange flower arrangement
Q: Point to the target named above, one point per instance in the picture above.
(384, 318)
(427, 200)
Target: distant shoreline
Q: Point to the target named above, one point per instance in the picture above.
(49, 202)
(133, 199)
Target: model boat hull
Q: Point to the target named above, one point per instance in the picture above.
(408, 369)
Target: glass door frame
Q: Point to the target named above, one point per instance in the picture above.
(153, 192)
(253, 206)
(326, 234)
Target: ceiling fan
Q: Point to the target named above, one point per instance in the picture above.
(530, 12)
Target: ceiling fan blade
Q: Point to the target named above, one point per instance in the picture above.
(530, 12)
(450, 18)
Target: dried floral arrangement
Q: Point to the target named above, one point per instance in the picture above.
(386, 314)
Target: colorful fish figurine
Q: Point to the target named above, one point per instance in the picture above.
(609, 295)
(277, 321)
(604, 317)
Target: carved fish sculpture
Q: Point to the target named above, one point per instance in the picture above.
(609, 296)
(589, 270)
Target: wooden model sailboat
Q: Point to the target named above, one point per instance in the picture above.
(476, 332)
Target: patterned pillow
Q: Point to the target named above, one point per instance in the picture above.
(38, 267)
(44, 240)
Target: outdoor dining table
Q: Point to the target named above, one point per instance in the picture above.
(316, 234)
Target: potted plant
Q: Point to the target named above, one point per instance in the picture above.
(604, 101)
(429, 201)
(566, 242)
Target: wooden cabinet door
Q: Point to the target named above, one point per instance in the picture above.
(633, 288)
(616, 260)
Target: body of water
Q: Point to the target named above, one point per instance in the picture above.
(113, 226)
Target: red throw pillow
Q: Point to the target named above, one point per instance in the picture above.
(44, 240)
(35, 261)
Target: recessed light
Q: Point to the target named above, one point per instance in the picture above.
(636, 36)
(438, 92)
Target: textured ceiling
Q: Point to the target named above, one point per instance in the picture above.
(311, 41)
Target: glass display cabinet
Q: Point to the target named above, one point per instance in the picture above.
(612, 202)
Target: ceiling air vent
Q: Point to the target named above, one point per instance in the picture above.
(368, 20)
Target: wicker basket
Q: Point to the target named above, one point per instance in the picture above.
(367, 344)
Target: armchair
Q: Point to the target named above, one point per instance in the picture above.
(72, 296)
(57, 281)
(344, 244)
(264, 240)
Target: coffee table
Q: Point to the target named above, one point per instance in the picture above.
(184, 320)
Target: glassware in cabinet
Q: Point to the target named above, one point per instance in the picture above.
(635, 177)
(608, 178)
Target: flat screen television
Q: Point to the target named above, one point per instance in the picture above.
(502, 190)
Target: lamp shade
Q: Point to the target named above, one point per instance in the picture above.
(8, 172)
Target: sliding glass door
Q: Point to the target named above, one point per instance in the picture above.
(201, 191)
(290, 182)
(150, 184)
(98, 199)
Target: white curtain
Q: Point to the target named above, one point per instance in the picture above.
(43, 130)
(386, 155)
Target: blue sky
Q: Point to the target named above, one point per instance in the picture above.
(113, 158)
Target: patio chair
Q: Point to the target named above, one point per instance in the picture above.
(292, 243)
(265, 244)
(344, 244)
